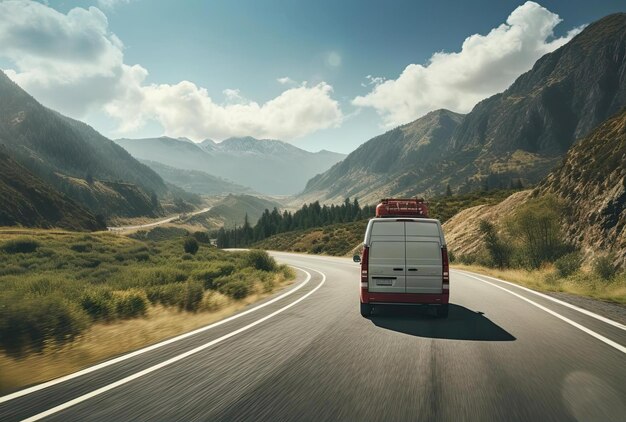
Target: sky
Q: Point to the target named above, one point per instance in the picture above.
(322, 74)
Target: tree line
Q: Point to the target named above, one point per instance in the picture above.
(309, 216)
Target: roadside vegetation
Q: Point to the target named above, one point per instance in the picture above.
(529, 248)
(54, 287)
(335, 229)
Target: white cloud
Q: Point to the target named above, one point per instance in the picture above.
(187, 110)
(110, 4)
(486, 64)
(73, 63)
(286, 81)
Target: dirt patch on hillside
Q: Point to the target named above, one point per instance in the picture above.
(461, 231)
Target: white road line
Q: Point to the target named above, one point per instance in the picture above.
(172, 360)
(85, 371)
(560, 302)
(561, 317)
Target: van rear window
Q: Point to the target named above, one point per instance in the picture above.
(388, 228)
(422, 228)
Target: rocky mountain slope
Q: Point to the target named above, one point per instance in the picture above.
(592, 181)
(266, 166)
(389, 164)
(520, 133)
(30, 202)
(65, 153)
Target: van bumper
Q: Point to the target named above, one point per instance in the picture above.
(406, 298)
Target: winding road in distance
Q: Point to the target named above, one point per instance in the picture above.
(504, 354)
(157, 223)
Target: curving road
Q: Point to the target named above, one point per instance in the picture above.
(504, 353)
(157, 223)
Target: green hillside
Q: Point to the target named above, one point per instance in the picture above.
(30, 202)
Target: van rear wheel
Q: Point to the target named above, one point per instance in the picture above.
(442, 311)
(366, 310)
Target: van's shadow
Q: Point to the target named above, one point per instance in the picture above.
(461, 324)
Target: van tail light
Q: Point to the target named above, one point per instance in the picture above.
(364, 267)
(446, 270)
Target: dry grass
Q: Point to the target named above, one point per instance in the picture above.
(105, 341)
(546, 279)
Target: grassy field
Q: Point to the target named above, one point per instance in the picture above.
(64, 295)
(547, 279)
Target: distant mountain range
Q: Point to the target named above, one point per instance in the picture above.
(195, 181)
(521, 133)
(264, 165)
(74, 159)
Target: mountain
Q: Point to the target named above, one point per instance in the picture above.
(592, 182)
(195, 181)
(34, 203)
(63, 151)
(388, 164)
(521, 133)
(267, 166)
(231, 211)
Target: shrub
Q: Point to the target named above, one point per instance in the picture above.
(213, 271)
(28, 324)
(568, 264)
(202, 237)
(237, 289)
(99, 304)
(190, 245)
(130, 303)
(192, 296)
(20, 245)
(167, 294)
(537, 225)
(451, 256)
(605, 267)
(260, 260)
(499, 251)
(81, 247)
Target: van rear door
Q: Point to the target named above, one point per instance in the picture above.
(423, 257)
(387, 257)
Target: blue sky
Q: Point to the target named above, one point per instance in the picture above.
(138, 68)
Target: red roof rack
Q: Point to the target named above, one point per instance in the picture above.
(401, 207)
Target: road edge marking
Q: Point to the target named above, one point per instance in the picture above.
(174, 359)
(155, 346)
(592, 333)
(560, 302)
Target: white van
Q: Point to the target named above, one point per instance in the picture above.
(404, 261)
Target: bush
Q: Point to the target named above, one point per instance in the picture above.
(568, 264)
(191, 245)
(237, 289)
(21, 245)
(192, 296)
(29, 324)
(131, 304)
(81, 247)
(260, 260)
(99, 304)
(213, 271)
(499, 251)
(605, 267)
(538, 227)
(451, 256)
(202, 237)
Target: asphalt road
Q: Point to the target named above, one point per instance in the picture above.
(504, 354)
(157, 223)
